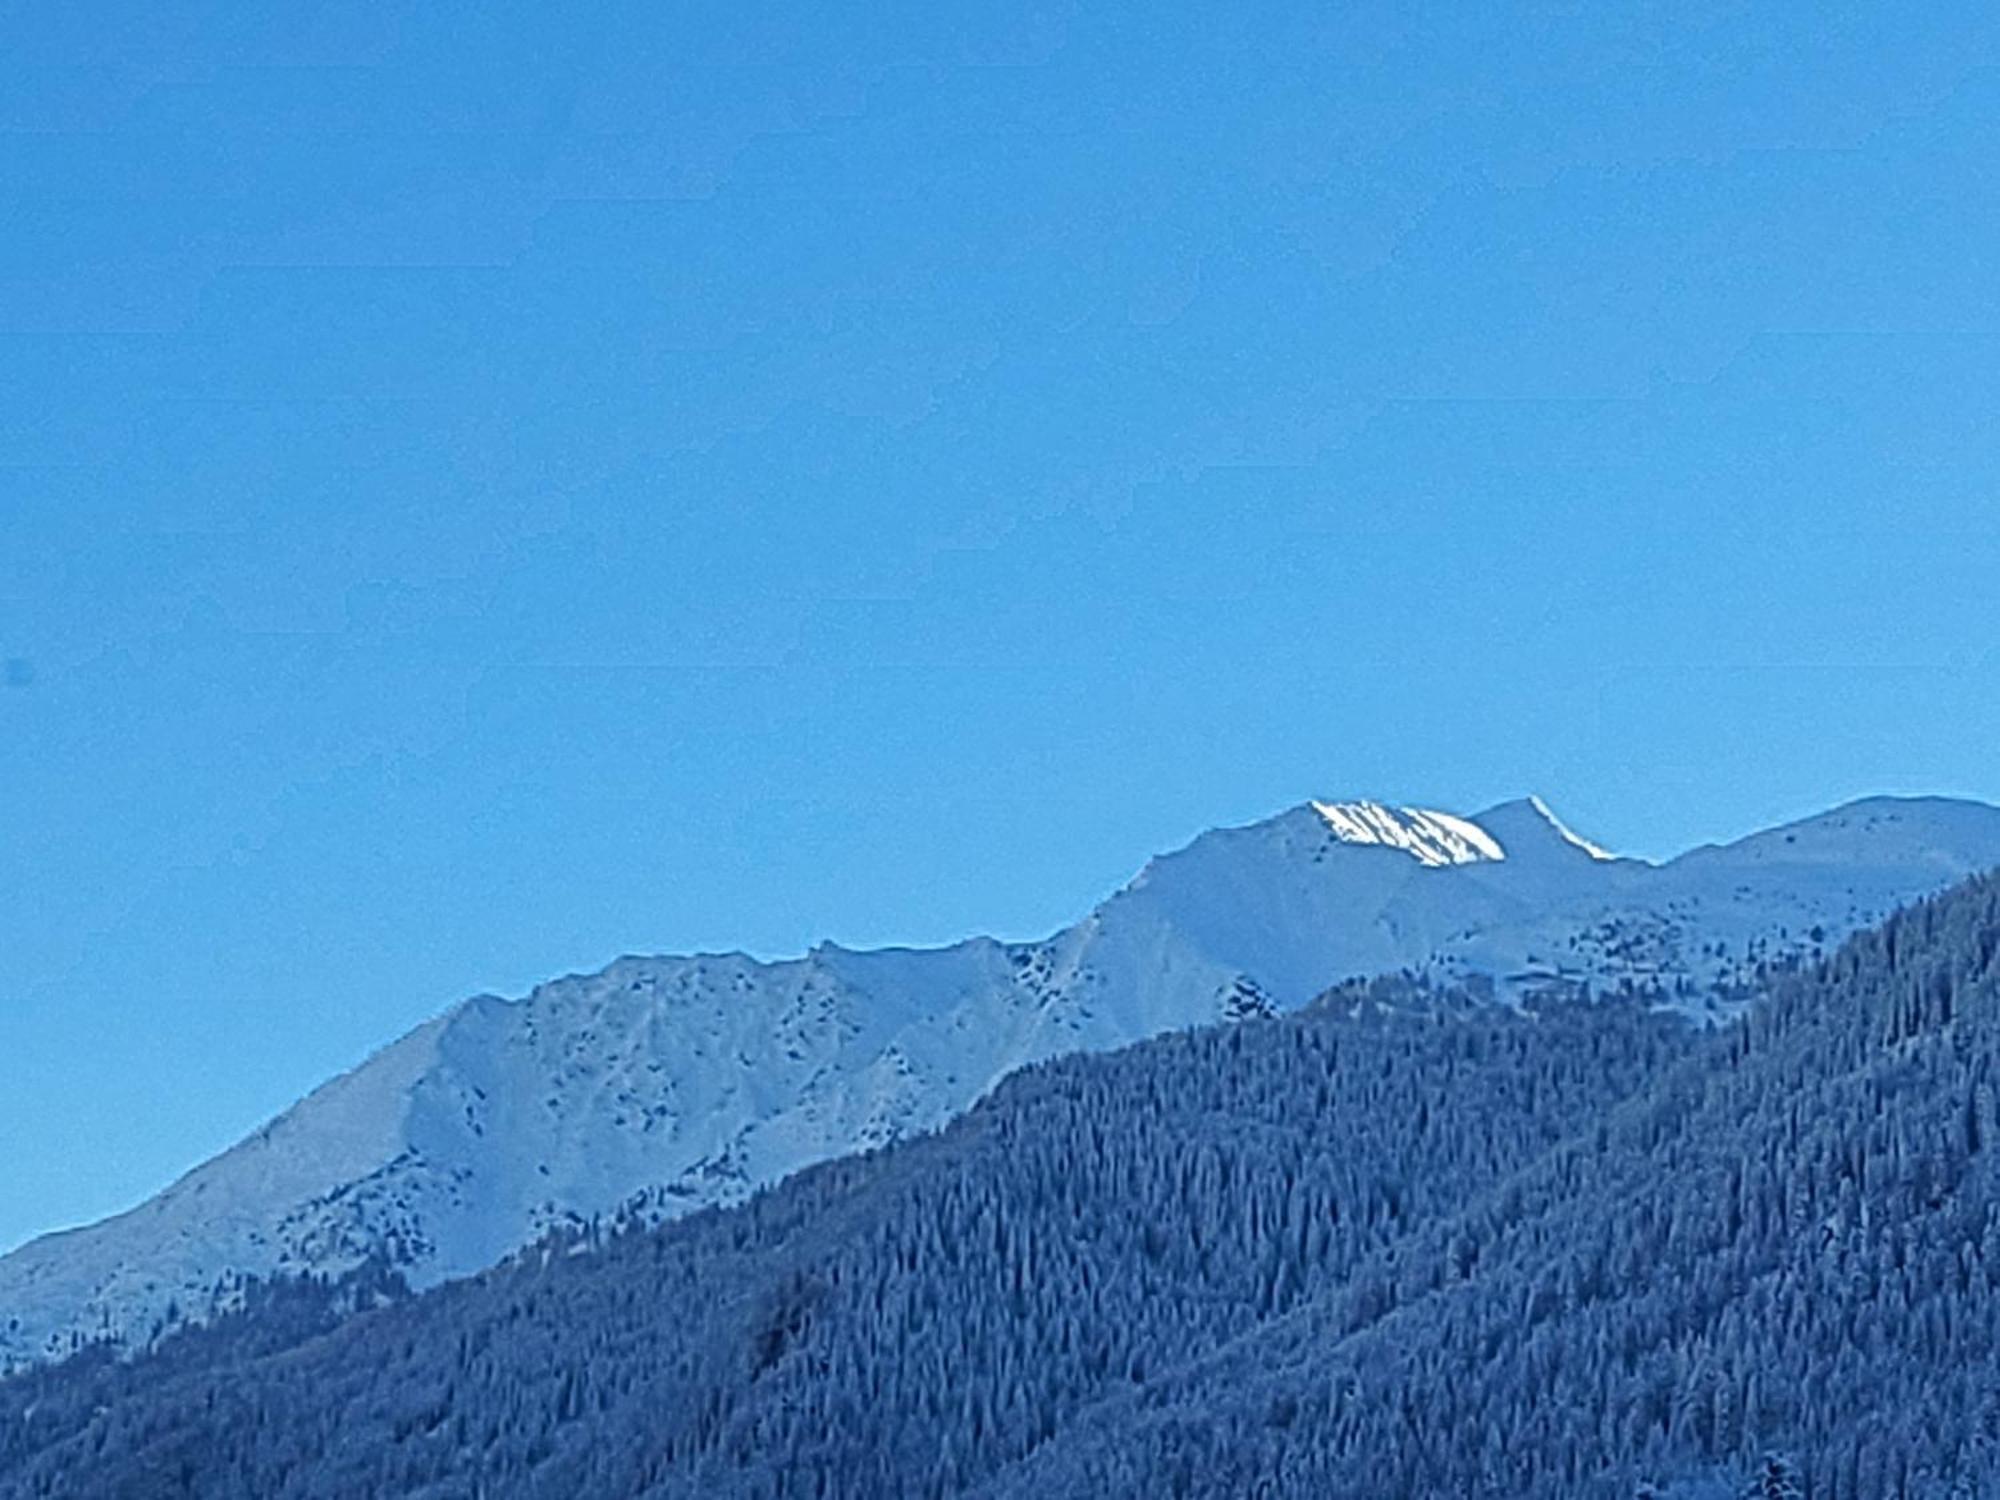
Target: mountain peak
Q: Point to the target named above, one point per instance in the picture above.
(1530, 818)
(1426, 835)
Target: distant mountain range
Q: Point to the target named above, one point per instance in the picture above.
(1400, 1243)
(663, 1085)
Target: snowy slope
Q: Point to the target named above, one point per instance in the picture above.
(665, 1084)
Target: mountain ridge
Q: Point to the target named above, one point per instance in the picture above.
(657, 1085)
(1397, 1243)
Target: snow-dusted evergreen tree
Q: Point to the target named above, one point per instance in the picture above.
(1776, 1478)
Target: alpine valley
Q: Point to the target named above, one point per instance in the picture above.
(663, 1085)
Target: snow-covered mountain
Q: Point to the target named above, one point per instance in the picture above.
(661, 1085)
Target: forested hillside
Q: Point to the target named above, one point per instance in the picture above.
(1387, 1246)
(1792, 1240)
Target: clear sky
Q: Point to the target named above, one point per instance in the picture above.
(487, 488)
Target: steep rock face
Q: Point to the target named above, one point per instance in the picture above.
(660, 1085)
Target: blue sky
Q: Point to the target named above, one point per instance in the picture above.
(489, 488)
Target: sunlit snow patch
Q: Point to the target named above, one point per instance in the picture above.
(1434, 838)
